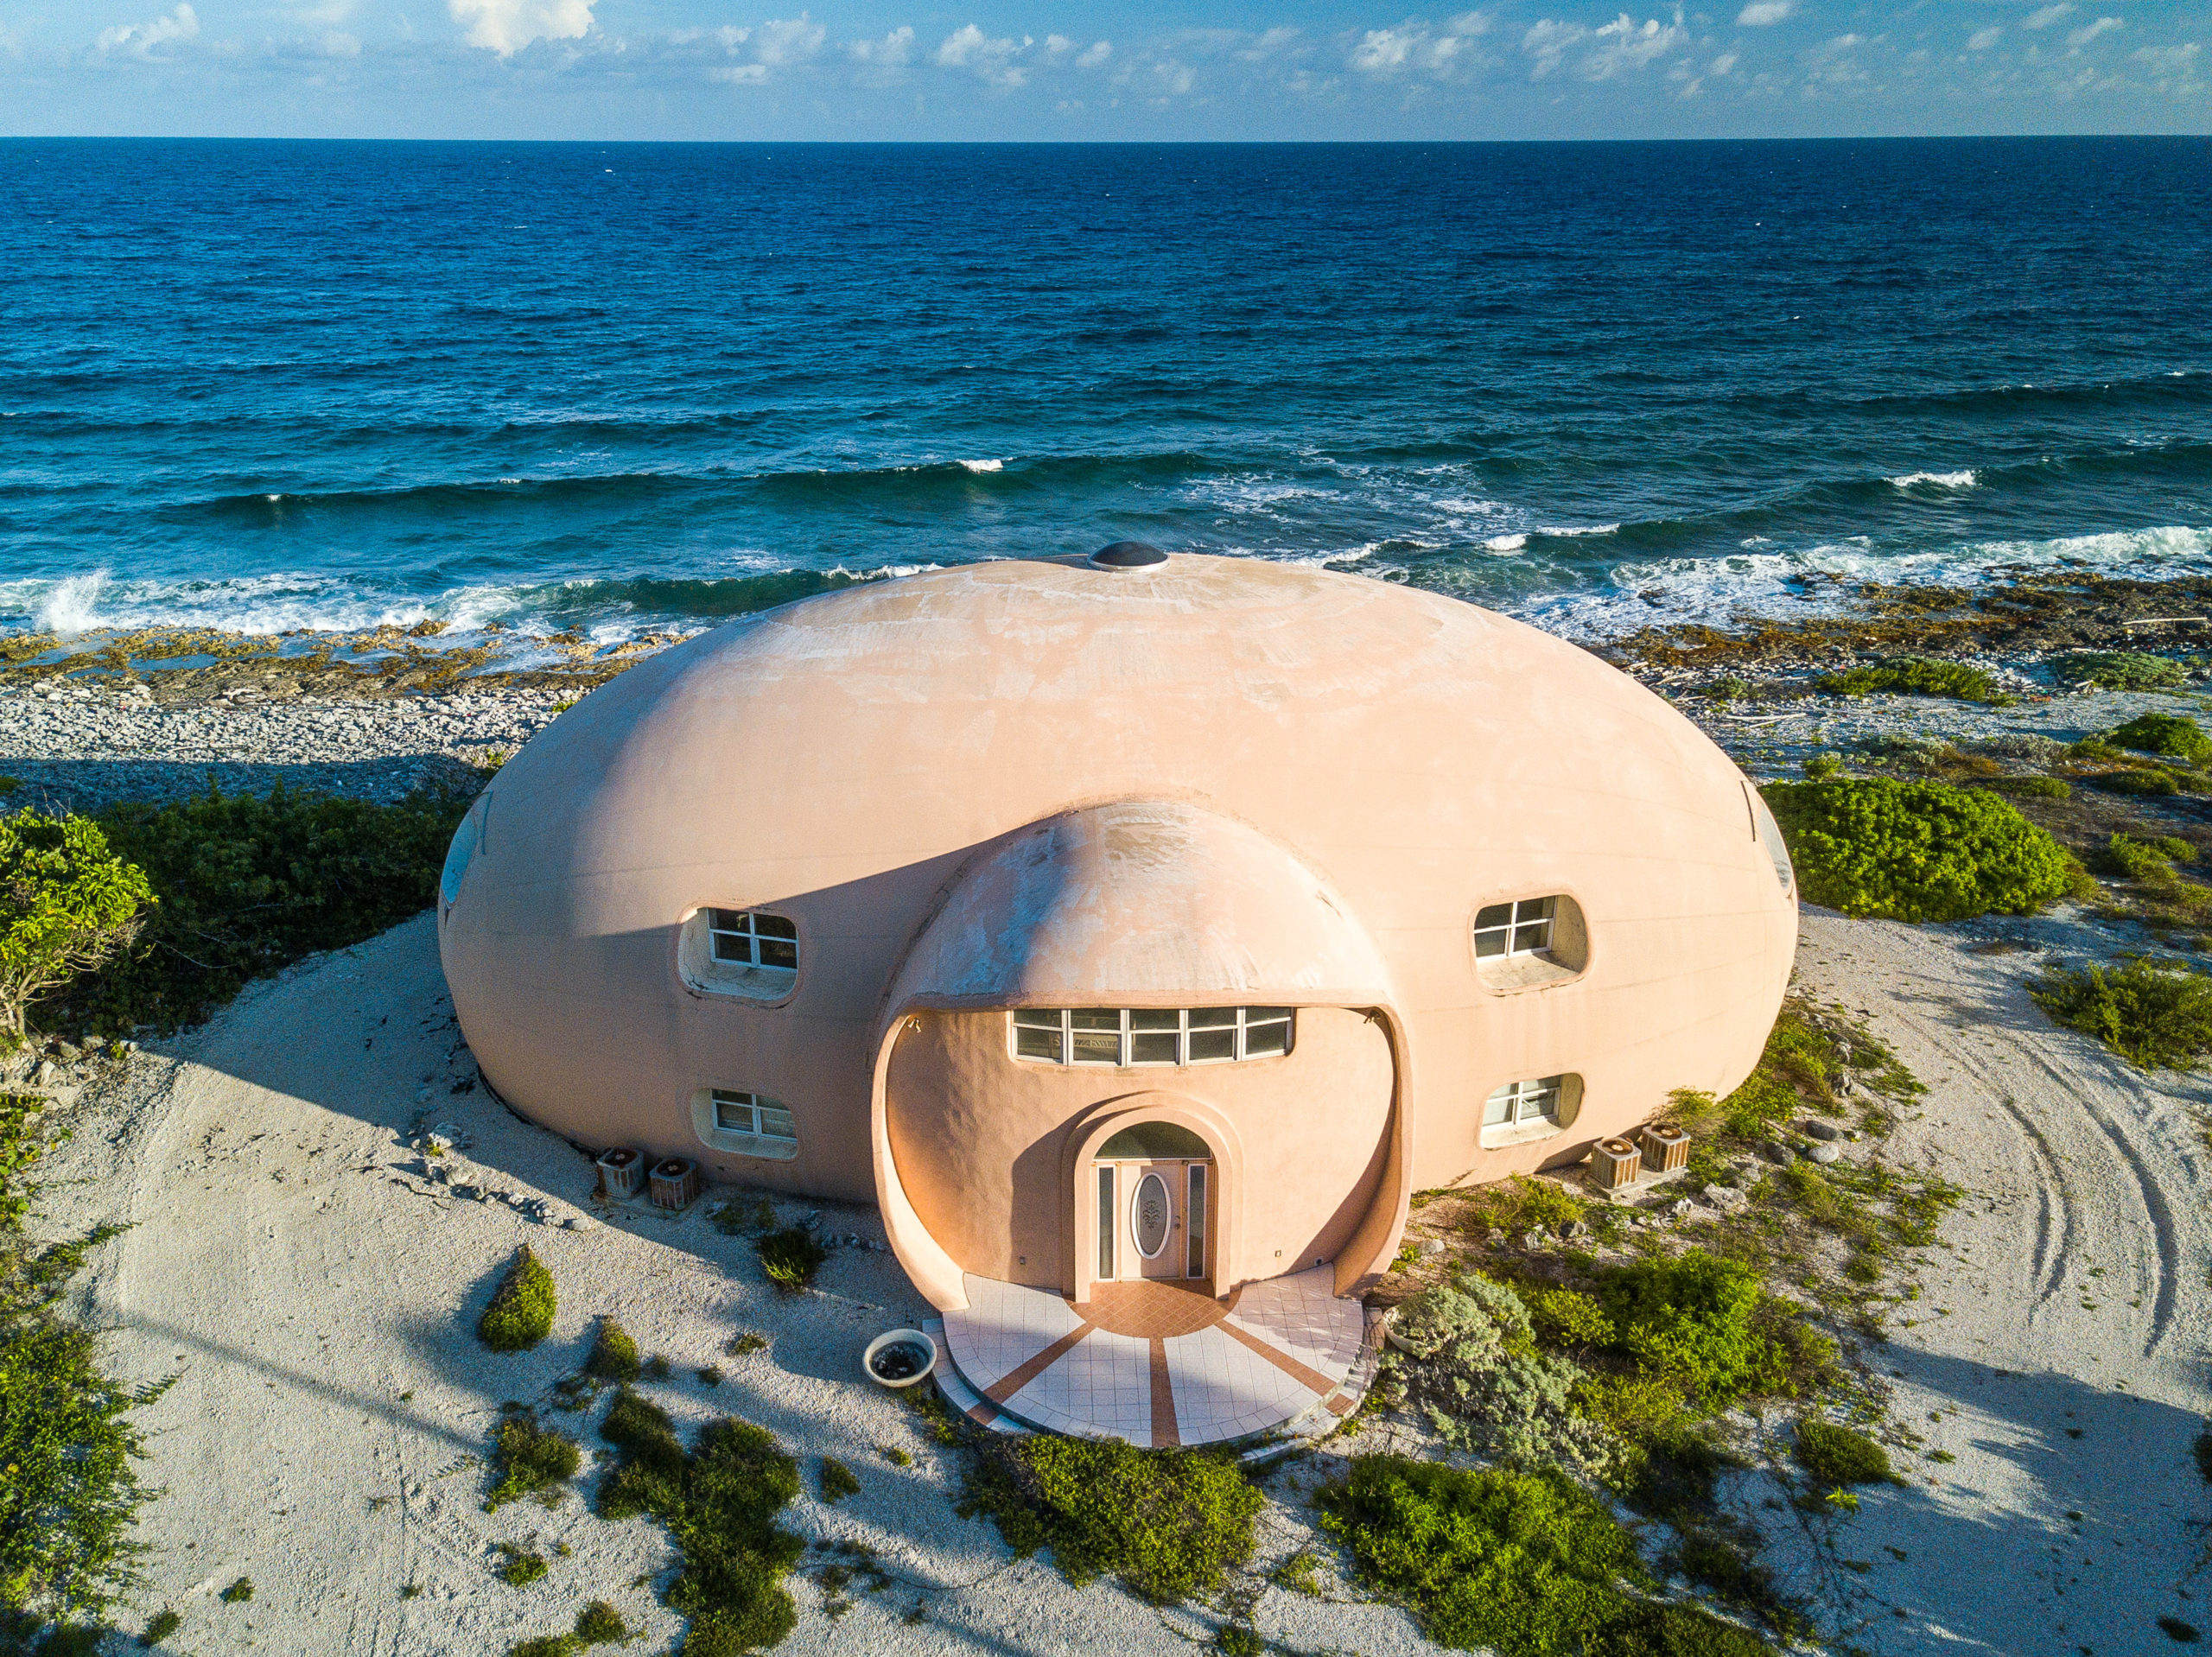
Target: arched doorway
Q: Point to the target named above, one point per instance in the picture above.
(1156, 1189)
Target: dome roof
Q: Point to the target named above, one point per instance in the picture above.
(1140, 903)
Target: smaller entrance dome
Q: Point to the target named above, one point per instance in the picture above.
(1126, 554)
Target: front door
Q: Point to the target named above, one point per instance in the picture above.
(1160, 1211)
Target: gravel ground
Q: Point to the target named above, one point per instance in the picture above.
(82, 748)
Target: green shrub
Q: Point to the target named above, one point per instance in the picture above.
(545, 1645)
(67, 905)
(1819, 767)
(2032, 788)
(1917, 851)
(2155, 1016)
(2141, 781)
(1472, 1369)
(531, 1461)
(1697, 1319)
(160, 1627)
(1839, 1456)
(613, 1353)
(1168, 1524)
(248, 885)
(1522, 1565)
(599, 1624)
(71, 1491)
(1566, 1316)
(1918, 675)
(791, 1258)
(521, 1312)
(520, 1568)
(2148, 862)
(1515, 1203)
(720, 1505)
(837, 1481)
(2167, 734)
(2118, 670)
(238, 1592)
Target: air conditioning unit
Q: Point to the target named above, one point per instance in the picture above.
(621, 1173)
(675, 1182)
(1665, 1148)
(1614, 1164)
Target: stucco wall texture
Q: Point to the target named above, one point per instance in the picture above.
(1211, 781)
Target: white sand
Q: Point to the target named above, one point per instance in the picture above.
(2071, 1299)
(317, 1303)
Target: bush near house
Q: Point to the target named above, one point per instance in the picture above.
(1168, 1524)
(1841, 1455)
(1917, 851)
(247, 885)
(1521, 1564)
(531, 1460)
(614, 1355)
(521, 1312)
(791, 1258)
(2165, 734)
(68, 904)
(2118, 670)
(720, 1504)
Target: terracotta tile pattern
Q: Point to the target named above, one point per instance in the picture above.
(1306, 1376)
(1164, 1434)
(1149, 1309)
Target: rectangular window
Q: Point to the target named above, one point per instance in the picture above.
(1130, 1036)
(746, 938)
(1521, 1102)
(1106, 1223)
(1515, 928)
(1196, 1211)
(753, 1113)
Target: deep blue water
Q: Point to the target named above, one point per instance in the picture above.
(273, 384)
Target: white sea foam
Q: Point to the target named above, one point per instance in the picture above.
(1936, 479)
(70, 605)
(985, 466)
(1577, 529)
(1506, 544)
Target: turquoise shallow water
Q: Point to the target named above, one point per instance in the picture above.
(271, 384)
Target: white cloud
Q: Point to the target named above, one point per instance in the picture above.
(1623, 44)
(140, 39)
(889, 52)
(967, 48)
(1723, 64)
(2171, 68)
(1274, 43)
(1415, 48)
(1982, 39)
(1175, 79)
(2049, 15)
(1058, 48)
(506, 26)
(787, 41)
(2081, 36)
(1760, 13)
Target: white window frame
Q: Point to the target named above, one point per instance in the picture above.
(756, 1125)
(1240, 1022)
(1527, 1103)
(1538, 915)
(743, 927)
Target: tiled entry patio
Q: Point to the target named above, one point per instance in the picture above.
(1156, 1364)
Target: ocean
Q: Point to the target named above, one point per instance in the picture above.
(273, 386)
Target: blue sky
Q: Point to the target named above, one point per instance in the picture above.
(1096, 69)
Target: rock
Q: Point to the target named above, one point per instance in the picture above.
(1573, 1229)
(1432, 1246)
(1725, 1196)
(1536, 1236)
(1775, 1151)
(1823, 1153)
(47, 1075)
(580, 1223)
(1680, 1208)
(1821, 1130)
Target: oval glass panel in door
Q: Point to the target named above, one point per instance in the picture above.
(1148, 1216)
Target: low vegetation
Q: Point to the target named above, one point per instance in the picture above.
(1918, 675)
(1841, 1455)
(1523, 1564)
(521, 1312)
(519, 1567)
(531, 1460)
(245, 886)
(2118, 670)
(67, 905)
(2166, 734)
(720, 1503)
(1917, 851)
(791, 1258)
(72, 1488)
(1168, 1524)
(2158, 1016)
(837, 1481)
(614, 1355)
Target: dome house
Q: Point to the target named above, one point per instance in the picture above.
(1133, 919)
